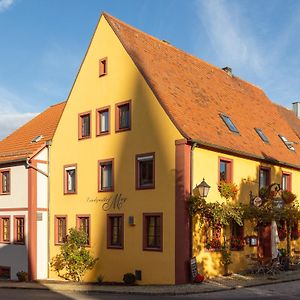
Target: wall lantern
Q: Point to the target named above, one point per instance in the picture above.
(203, 189)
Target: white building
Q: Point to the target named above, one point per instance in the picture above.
(24, 164)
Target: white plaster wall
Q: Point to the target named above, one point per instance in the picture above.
(42, 155)
(11, 255)
(42, 186)
(42, 247)
(18, 189)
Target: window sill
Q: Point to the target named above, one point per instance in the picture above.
(153, 249)
(115, 247)
(106, 190)
(103, 133)
(4, 242)
(19, 243)
(70, 193)
(148, 187)
(122, 129)
(84, 138)
(4, 194)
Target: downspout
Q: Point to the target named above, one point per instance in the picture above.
(194, 145)
(48, 143)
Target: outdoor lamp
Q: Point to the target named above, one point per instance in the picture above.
(203, 189)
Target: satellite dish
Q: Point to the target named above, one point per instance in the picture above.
(257, 201)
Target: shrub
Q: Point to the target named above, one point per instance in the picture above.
(22, 276)
(228, 190)
(74, 259)
(129, 278)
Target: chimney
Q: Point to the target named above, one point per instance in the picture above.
(296, 108)
(228, 70)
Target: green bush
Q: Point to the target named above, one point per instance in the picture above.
(22, 276)
(74, 260)
(129, 278)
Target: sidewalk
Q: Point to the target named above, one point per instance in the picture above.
(210, 285)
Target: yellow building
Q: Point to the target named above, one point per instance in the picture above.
(143, 124)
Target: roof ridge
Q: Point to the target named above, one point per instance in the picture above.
(219, 69)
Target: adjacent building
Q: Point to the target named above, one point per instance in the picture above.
(24, 196)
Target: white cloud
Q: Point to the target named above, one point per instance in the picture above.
(13, 112)
(5, 4)
(225, 28)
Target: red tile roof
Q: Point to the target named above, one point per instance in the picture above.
(193, 93)
(19, 146)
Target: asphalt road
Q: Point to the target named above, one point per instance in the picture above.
(280, 291)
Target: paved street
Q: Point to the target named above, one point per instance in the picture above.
(287, 290)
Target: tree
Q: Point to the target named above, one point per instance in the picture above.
(74, 259)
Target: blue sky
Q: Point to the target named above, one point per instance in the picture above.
(43, 43)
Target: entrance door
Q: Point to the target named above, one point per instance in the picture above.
(264, 241)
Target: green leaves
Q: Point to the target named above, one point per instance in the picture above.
(74, 259)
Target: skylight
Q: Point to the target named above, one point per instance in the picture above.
(288, 144)
(262, 135)
(229, 123)
(37, 139)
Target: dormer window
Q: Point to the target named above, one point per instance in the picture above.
(262, 135)
(229, 123)
(37, 139)
(288, 144)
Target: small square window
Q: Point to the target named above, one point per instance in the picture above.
(106, 178)
(145, 171)
(153, 232)
(123, 116)
(4, 229)
(84, 125)
(5, 182)
(4, 273)
(115, 231)
(19, 225)
(83, 224)
(102, 67)
(103, 121)
(225, 170)
(60, 229)
(286, 181)
(229, 123)
(70, 180)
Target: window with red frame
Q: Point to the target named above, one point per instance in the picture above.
(85, 125)
(5, 229)
(61, 230)
(237, 236)
(115, 225)
(145, 171)
(153, 232)
(286, 181)
(264, 177)
(225, 169)
(103, 121)
(4, 182)
(19, 230)
(106, 176)
(83, 224)
(123, 116)
(102, 67)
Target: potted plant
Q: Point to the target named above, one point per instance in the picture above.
(227, 190)
(288, 197)
(225, 260)
(22, 276)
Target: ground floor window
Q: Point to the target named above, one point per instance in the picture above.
(60, 229)
(115, 233)
(83, 223)
(4, 272)
(19, 225)
(237, 236)
(5, 229)
(152, 239)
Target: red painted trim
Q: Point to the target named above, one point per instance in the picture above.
(289, 183)
(66, 192)
(9, 181)
(1, 230)
(56, 228)
(268, 169)
(229, 176)
(137, 172)
(98, 121)
(32, 222)
(117, 115)
(89, 229)
(103, 161)
(182, 218)
(145, 246)
(39, 161)
(80, 137)
(102, 66)
(108, 231)
(21, 209)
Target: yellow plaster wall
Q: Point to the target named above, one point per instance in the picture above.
(152, 131)
(246, 176)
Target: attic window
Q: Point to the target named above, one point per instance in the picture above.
(37, 139)
(288, 144)
(229, 123)
(262, 135)
(102, 67)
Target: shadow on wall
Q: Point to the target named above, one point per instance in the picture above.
(145, 136)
